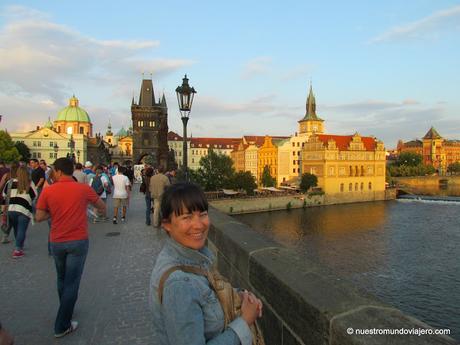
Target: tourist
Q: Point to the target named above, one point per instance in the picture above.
(171, 176)
(4, 176)
(158, 183)
(37, 175)
(188, 311)
(121, 189)
(146, 175)
(79, 174)
(45, 168)
(19, 193)
(100, 184)
(88, 168)
(67, 201)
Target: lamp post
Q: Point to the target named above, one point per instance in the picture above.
(185, 95)
(78, 156)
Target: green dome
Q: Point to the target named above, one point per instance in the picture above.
(73, 112)
(122, 132)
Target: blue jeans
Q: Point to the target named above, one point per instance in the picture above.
(148, 208)
(69, 258)
(19, 222)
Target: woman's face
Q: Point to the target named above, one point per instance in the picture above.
(189, 229)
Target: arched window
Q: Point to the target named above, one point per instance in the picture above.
(350, 187)
(81, 130)
(362, 186)
(341, 187)
(351, 170)
(362, 170)
(356, 186)
(370, 185)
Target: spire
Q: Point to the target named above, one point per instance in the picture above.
(147, 96)
(311, 104)
(163, 100)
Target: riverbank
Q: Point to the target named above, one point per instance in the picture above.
(423, 181)
(287, 202)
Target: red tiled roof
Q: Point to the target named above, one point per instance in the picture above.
(218, 143)
(174, 136)
(343, 141)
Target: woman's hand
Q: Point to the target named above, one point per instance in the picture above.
(251, 307)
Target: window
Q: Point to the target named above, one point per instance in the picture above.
(51, 155)
(293, 144)
(293, 153)
(39, 155)
(51, 144)
(193, 160)
(350, 187)
(370, 185)
(34, 154)
(293, 162)
(298, 153)
(81, 130)
(362, 186)
(341, 187)
(356, 186)
(293, 171)
(34, 143)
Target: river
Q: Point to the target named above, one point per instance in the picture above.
(407, 253)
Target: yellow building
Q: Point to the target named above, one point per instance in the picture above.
(348, 167)
(45, 143)
(268, 156)
(435, 150)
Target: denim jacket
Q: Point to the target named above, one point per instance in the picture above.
(190, 313)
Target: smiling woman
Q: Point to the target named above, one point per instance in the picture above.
(183, 298)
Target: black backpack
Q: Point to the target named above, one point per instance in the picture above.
(97, 185)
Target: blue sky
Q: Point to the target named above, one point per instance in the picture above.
(389, 69)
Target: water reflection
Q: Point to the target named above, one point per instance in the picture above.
(406, 253)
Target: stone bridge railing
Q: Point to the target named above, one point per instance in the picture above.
(303, 302)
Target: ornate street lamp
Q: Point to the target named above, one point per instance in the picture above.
(185, 95)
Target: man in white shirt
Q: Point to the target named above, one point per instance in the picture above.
(121, 189)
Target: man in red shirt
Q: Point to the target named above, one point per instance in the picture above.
(65, 202)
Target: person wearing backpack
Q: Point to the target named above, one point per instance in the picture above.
(100, 183)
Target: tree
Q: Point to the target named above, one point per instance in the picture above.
(267, 180)
(8, 152)
(409, 159)
(454, 168)
(307, 181)
(215, 171)
(244, 180)
(23, 150)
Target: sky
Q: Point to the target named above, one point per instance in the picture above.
(389, 69)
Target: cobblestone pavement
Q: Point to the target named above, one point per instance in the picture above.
(112, 307)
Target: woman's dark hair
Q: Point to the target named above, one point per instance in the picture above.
(180, 197)
(65, 165)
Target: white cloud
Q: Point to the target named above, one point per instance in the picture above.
(255, 67)
(430, 26)
(44, 63)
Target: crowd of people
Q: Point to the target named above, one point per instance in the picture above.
(182, 295)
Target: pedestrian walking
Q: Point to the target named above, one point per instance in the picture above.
(79, 174)
(66, 201)
(147, 173)
(100, 184)
(19, 194)
(37, 174)
(121, 189)
(158, 183)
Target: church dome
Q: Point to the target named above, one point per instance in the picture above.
(122, 132)
(73, 113)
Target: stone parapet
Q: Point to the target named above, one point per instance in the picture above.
(304, 303)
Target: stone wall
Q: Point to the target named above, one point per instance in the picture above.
(303, 302)
(421, 181)
(251, 205)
